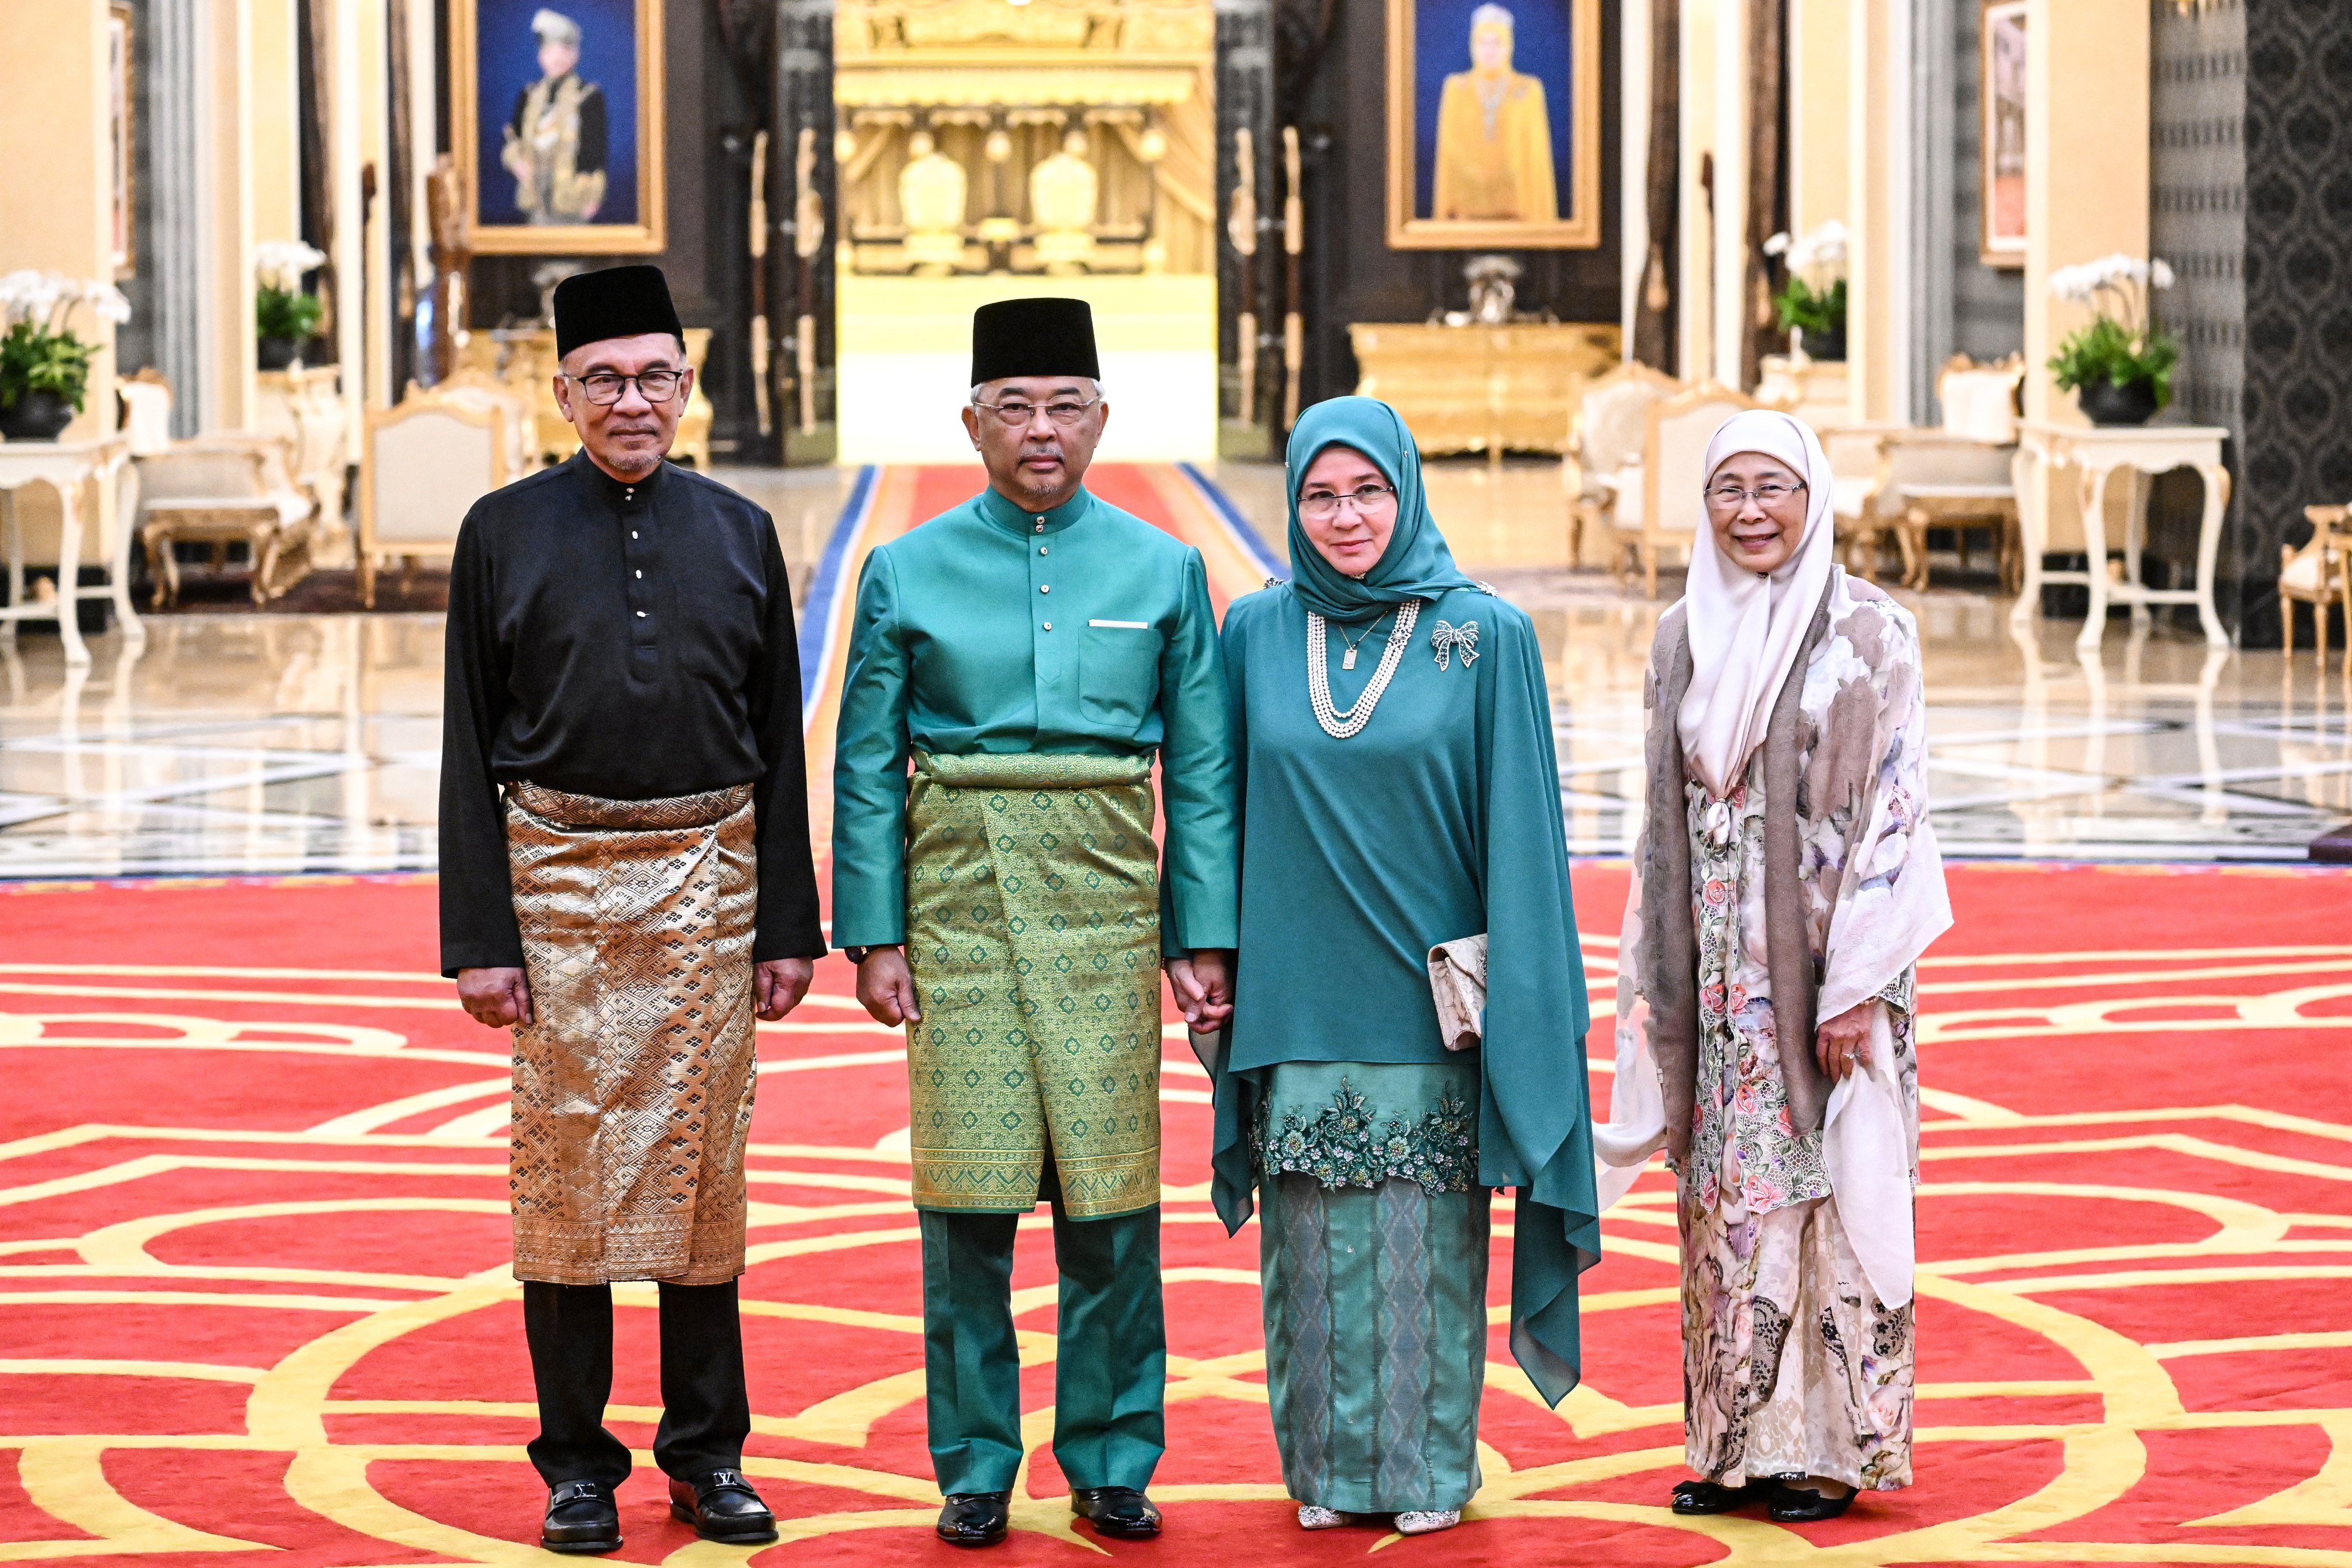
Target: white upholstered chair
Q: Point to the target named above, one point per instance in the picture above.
(1605, 449)
(1672, 508)
(220, 490)
(2318, 574)
(425, 462)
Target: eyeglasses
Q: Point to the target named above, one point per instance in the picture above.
(1731, 498)
(1063, 411)
(1364, 498)
(604, 388)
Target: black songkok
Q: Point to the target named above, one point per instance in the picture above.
(1034, 337)
(618, 302)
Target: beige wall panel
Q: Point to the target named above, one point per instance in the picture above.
(275, 110)
(2086, 183)
(1695, 262)
(55, 189)
(1819, 64)
(228, 356)
(1873, 376)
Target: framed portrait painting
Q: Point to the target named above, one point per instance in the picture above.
(556, 114)
(1494, 124)
(2002, 162)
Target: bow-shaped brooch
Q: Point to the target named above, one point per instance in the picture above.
(1447, 639)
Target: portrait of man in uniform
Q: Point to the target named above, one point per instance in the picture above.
(555, 138)
(556, 121)
(1493, 123)
(1494, 140)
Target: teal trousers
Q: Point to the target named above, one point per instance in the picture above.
(1111, 1373)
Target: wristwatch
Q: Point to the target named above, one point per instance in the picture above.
(857, 955)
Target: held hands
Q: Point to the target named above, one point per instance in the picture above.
(1841, 1044)
(885, 987)
(498, 998)
(779, 984)
(1203, 987)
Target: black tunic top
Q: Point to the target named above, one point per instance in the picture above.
(632, 642)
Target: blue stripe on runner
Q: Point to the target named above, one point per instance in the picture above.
(1222, 505)
(824, 588)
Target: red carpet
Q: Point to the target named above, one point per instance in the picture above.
(253, 1241)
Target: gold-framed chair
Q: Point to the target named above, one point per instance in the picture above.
(222, 490)
(2318, 574)
(425, 461)
(1675, 433)
(1604, 446)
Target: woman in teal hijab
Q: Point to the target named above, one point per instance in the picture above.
(1398, 791)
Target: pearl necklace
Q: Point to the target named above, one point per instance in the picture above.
(1337, 722)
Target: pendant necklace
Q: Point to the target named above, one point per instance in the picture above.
(1337, 722)
(1348, 659)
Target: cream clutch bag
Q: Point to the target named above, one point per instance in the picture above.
(1457, 980)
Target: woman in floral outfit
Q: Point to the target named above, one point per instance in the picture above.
(1788, 881)
(1390, 803)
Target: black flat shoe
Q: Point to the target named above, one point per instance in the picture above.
(1119, 1512)
(974, 1519)
(1803, 1505)
(581, 1517)
(1706, 1496)
(721, 1506)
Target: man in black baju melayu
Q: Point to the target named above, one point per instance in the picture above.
(626, 880)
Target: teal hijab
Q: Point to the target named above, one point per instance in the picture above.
(1416, 564)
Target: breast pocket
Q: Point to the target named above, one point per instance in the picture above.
(1119, 673)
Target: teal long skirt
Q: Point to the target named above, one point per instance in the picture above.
(1374, 1284)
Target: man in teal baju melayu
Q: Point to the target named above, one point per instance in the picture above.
(1029, 652)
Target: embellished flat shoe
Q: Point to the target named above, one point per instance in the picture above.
(1315, 1516)
(1119, 1512)
(974, 1519)
(1803, 1505)
(581, 1517)
(1706, 1496)
(721, 1506)
(1428, 1521)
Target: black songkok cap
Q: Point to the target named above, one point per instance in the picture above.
(1034, 337)
(618, 302)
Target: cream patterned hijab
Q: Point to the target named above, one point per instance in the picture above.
(1746, 629)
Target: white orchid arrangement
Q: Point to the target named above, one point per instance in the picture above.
(1818, 255)
(2122, 343)
(40, 352)
(1813, 299)
(279, 264)
(281, 309)
(45, 299)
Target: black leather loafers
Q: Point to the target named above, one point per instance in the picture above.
(1803, 1505)
(721, 1506)
(975, 1519)
(581, 1517)
(1709, 1497)
(1121, 1512)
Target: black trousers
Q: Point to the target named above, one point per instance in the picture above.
(706, 1413)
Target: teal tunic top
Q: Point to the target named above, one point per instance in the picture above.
(1441, 819)
(1080, 630)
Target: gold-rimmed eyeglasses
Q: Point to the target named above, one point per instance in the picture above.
(1363, 498)
(1731, 498)
(1063, 411)
(604, 387)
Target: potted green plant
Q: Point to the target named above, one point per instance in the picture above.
(1811, 303)
(44, 364)
(2118, 365)
(285, 314)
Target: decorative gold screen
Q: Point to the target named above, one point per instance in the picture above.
(1048, 136)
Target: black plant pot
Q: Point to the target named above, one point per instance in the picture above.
(1829, 345)
(36, 416)
(275, 354)
(2107, 403)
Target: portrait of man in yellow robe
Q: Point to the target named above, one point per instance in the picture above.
(1494, 135)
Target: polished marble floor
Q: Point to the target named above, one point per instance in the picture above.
(267, 743)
